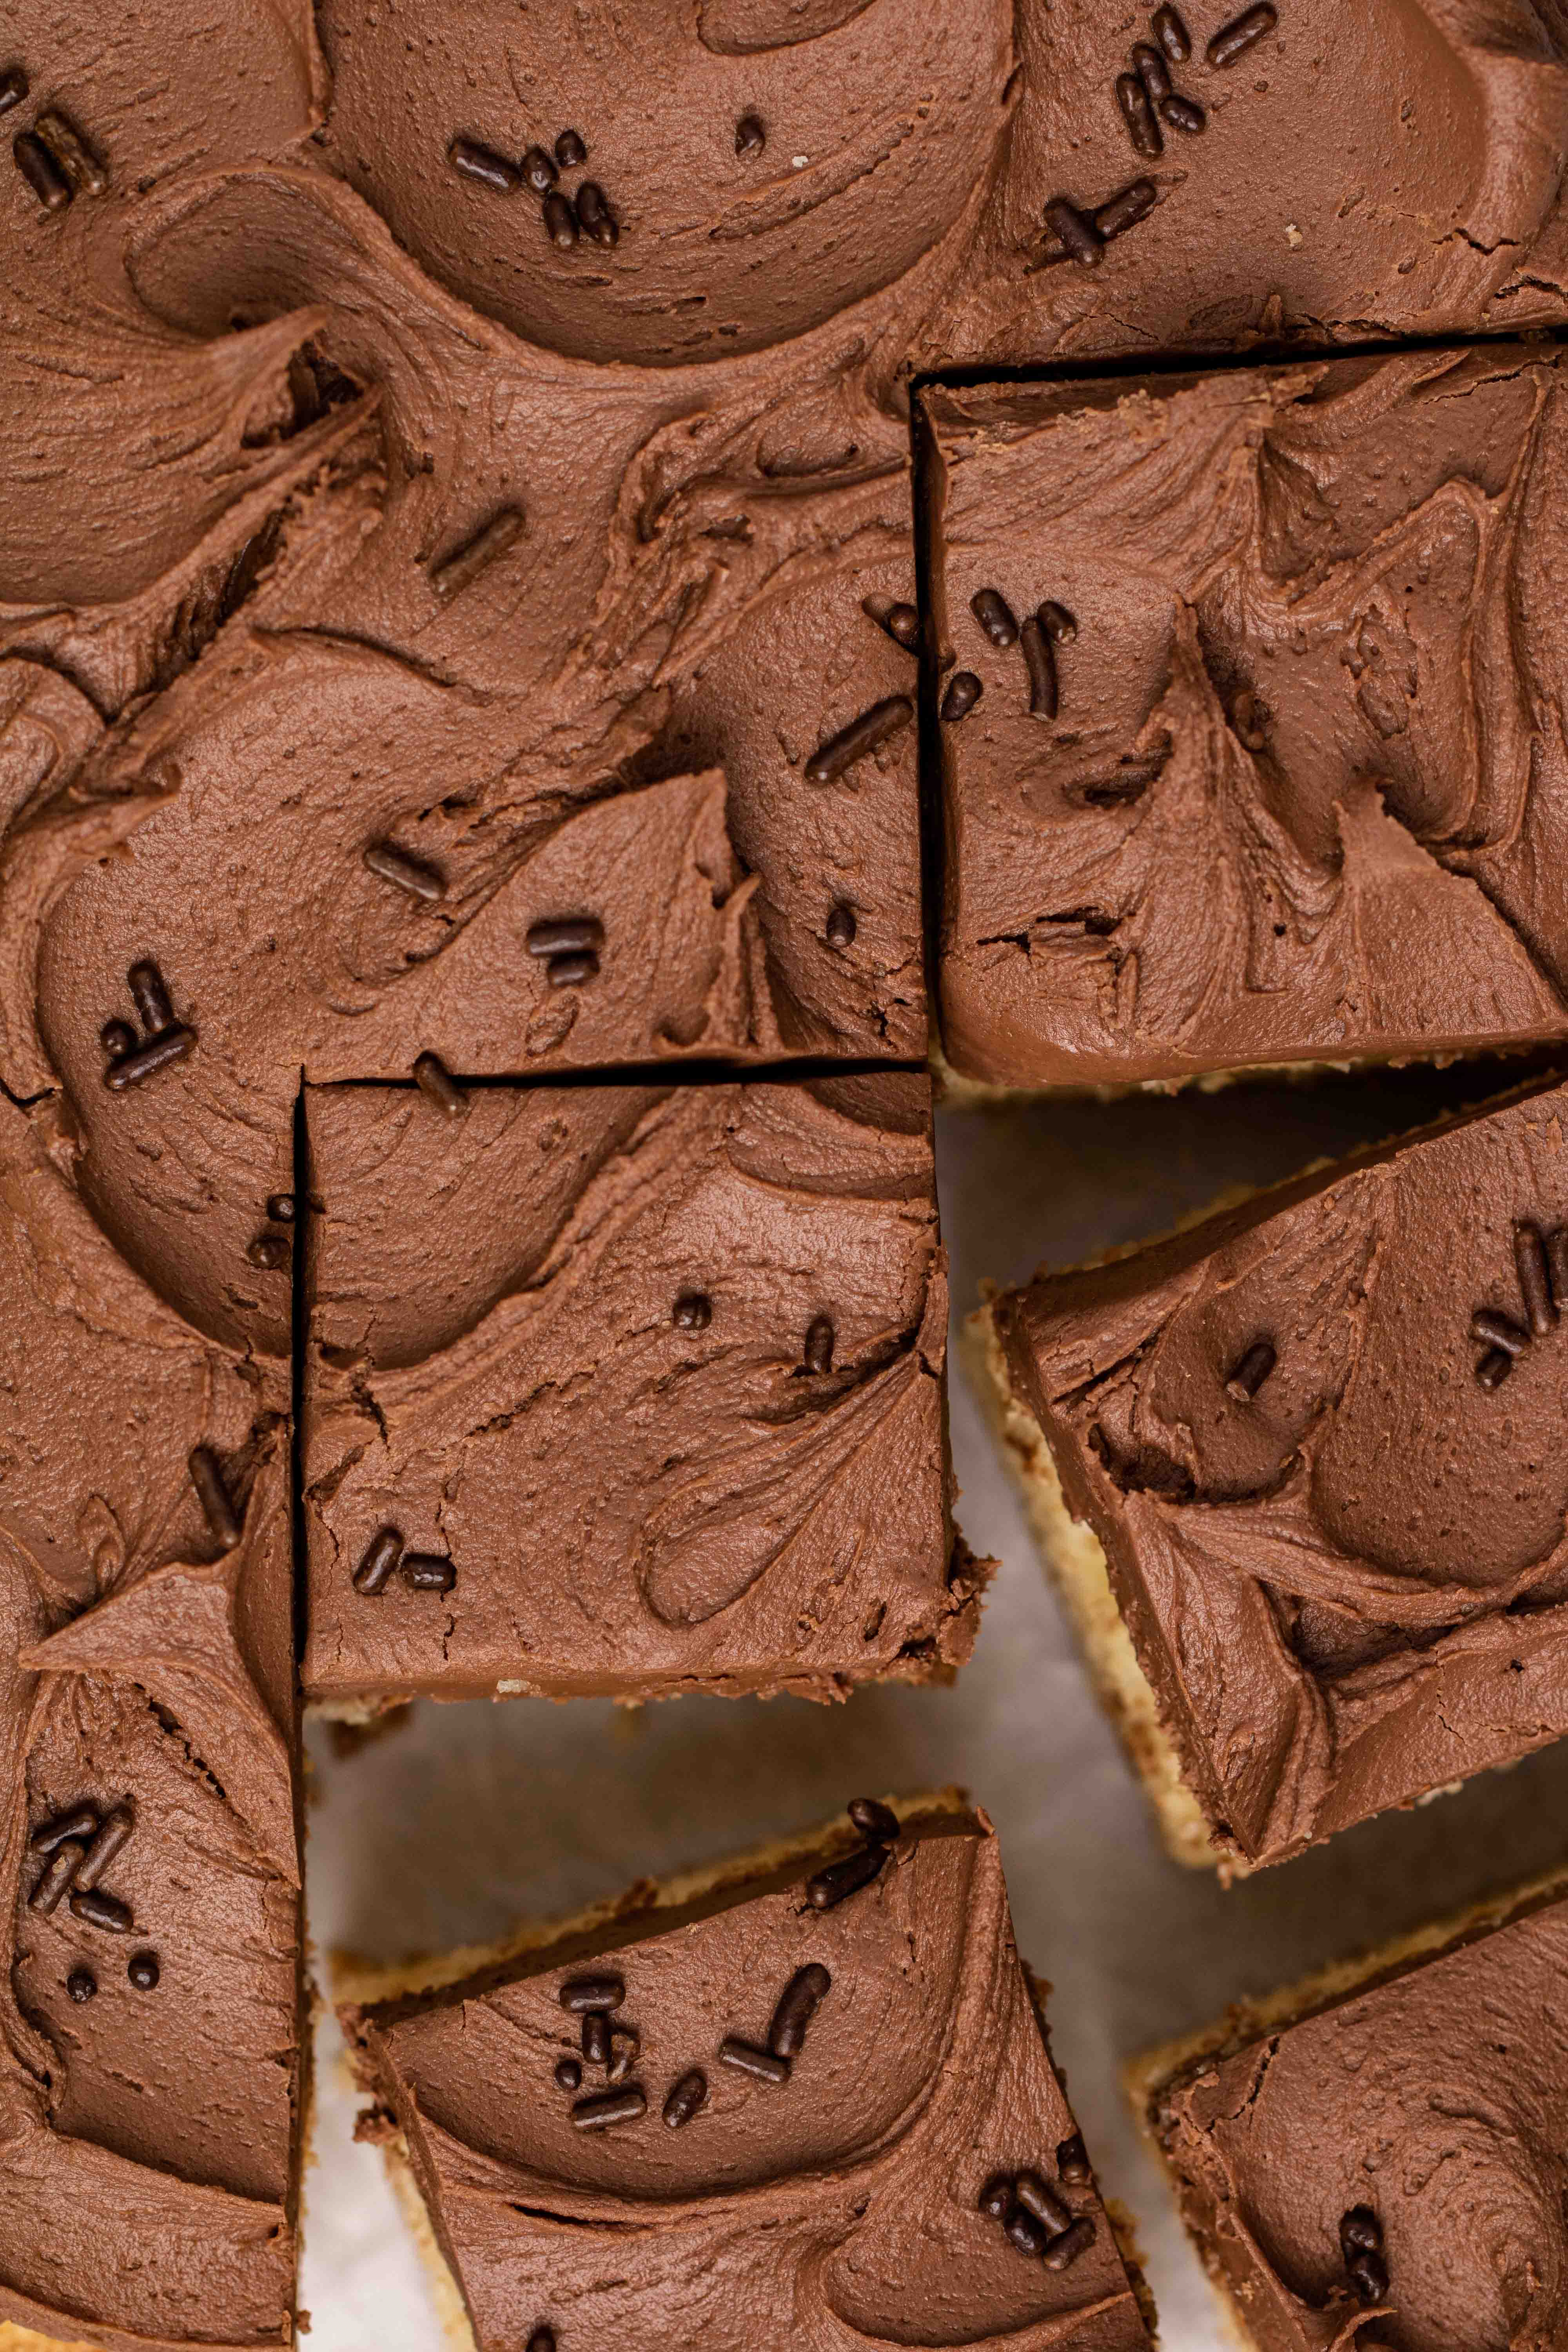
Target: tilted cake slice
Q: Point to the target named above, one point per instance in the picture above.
(1375, 2155)
(1297, 1473)
(806, 2099)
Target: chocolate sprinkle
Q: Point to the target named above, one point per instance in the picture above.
(570, 151)
(1152, 72)
(1494, 1368)
(832, 1885)
(539, 170)
(428, 1571)
(113, 1832)
(1058, 624)
(839, 928)
(687, 2096)
(747, 2059)
(1498, 1331)
(476, 162)
(595, 2038)
(1172, 35)
(1247, 1377)
(1041, 2202)
(13, 88)
(81, 1984)
(996, 2198)
(873, 1819)
(143, 1971)
(559, 222)
(607, 2108)
(594, 212)
(693, 1311)
(57, 1874)
(1125, 210)
(797, 2005)
(964, 691)
(433, 1078)
(150, 996)
(171, 1045)
(901, 621)
(461, 569)
(569, 2074)
(1066, 2250)
(271, 1252)
(117, 1037)
(1361, 2232)
(1180, 113)
(565, 935)
(995, 614)
(206, 1477)
(80, 1821)
(1072, 2162)
(1368, 2273)
(420, 881)
(580, 1994)
(1028, 2235)
(70, 150)
(382, 1555)
(101, 1910)
(280, 1207)
(1137, 113)
(1077, 232)
(862, 736)
(1041, 664)
(1535, 1281)
(41, 172)
(750, 136)
(820, 1345)
(571, 971)
(625, 2048)
(1557, 1259)
(1234, 39)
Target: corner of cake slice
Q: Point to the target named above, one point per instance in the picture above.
(804, 2098)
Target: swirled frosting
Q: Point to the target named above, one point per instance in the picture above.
(1304, 797)
(843, 2201)
(601, 1400)
(1344, 1562)
(1431, 2099)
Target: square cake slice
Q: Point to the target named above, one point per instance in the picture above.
(150, 2063)
(1249, 755)
(805, 2099)
(1297, 1471)
(628, 1390)
(1375, 2155)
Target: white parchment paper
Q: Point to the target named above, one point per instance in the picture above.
(469, 1818)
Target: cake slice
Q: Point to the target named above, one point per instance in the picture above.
(1296, 1472)
(1374, 2156)
(804, 2099)
(1241, 762)
(628, 1390)
(150, 2052)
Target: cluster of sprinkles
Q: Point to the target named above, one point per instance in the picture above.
(272, 1249)
(1035, 2217)
(78, 1847)
(565, 218)
(385, 1557)
(54, 157)
(1150, 104)
(132, 1058)
(1360, 2244)
(569, 945)
(1541, 1261)
(1037, 639)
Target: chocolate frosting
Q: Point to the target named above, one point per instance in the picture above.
(1304, 797)
(631, 1504)
(1436, 2100)
(1351, 1587)
(148, 2134)
(846, 2197)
